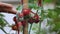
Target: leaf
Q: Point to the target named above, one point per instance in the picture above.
(33, 28)
(57, 10)
(3, 30)
(35, 6)
(19, 7)
(52, 14)
(3, 22)
(48, 1)
(57, 27)
(1, 15)
(58, 2)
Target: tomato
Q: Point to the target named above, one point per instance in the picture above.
(14, 19)
(20, 15)
(31, 20)
(36, 18)
(26, 11)
(36, 21)
(19, 24)
(23, 22)
(14, 27)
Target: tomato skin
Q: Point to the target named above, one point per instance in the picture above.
(15, 19)
(26, 11)
(20, 15)
(31, 20)
(23, 22)
(14, 27)
(36, 18)
(19, 24)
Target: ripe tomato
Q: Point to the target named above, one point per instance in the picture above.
(36, 18)
(31, 20)
(36, 21)
(23, 23)
(14, 27)
(26, 11)
(19, 24)
(14, 19)
(20, 15)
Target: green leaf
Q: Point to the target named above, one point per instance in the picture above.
(33, 28)
(19, 7)
(3, 30)
(3, 22)
(35, 6)
(52, 14)
(48, 1)
(1, 15)
(58, 2)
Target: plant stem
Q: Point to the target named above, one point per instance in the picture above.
(3, 30)
(30, 28)
(25, 6)
(25, 29)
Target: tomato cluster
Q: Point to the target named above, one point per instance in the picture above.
(26, 15)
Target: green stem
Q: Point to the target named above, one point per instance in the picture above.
(30, 28)
(39, 27)
(41, 14)
(3, 30)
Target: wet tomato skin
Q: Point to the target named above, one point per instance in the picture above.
(26, 11)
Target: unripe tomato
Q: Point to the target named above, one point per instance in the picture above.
(26, 11)
(36, 16)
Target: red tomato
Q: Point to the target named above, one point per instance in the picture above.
(23, 23)
(14, 18)
(31, 20)
(19, 24)
(14, 27)
(20, 15)
(26, 11)
(36, 18)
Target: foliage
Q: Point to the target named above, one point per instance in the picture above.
(52, 16)
(3, 23)
(48, 1)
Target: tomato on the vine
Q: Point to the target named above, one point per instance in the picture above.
(14, 19)
(19, 24)
(21, 15)
(23, 22)
(26, 11)
(31, 20)
(14, 27)
(36, 18)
